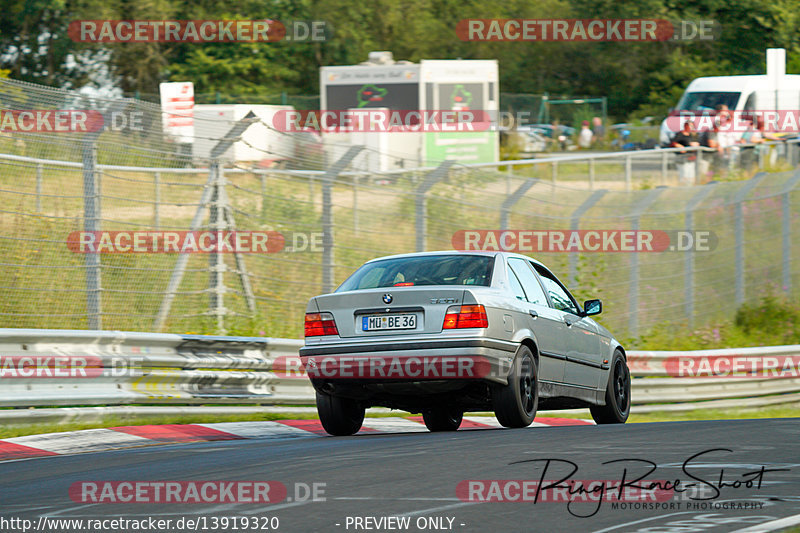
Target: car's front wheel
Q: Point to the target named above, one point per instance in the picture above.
(339, 416)
(442, 419)
(618, 394)
(515, 404)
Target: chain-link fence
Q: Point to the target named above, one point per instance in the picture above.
(715, 246)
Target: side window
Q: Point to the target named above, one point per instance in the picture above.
(516, 286)
(560, 298)
(533, 289)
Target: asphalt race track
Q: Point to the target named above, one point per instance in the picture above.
(414, 477)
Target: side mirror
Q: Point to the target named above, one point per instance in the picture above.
(592, 307)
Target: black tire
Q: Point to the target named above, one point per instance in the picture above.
(515, 404)
(442, 419)
(618, 394)
(339, 416)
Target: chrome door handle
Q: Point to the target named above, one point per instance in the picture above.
(533, 313)
(568, 322)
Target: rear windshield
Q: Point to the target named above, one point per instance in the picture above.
(708, 101)
(425, 270)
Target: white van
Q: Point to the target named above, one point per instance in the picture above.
(739, 93)
(773, 91)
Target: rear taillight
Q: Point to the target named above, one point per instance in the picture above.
(465, 316)
(318, 324)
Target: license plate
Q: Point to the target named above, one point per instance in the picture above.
(374, 323)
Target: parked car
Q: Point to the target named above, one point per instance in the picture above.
(443, 333)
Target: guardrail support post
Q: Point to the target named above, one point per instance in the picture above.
(512, 199)
(327, 215)
(741, 194)
(420, 202)
(664, 165)
(688, 282)
(591, 173)
(574, 224)
(633, 294)
(554, 171)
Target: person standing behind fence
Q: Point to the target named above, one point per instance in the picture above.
(598, 130)
(585, 136)
(683, 139)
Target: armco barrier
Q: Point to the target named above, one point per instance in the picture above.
(78, 368)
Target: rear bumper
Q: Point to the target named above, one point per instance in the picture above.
(411, 360)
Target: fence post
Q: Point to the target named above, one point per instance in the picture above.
(38, 187)
(741, 194)
(512, 199)
(216, 267)
(355, 205)
(786, 231)
(210, 189)
(574, 225)
(591, 173)
(688, 280)
(327, 215)
(157, 200)
(554, 171)
(420, 214)
(263, 196)
(91, 223)
(633, 295)
(664, 165)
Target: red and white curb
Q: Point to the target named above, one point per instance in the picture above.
(116, 438)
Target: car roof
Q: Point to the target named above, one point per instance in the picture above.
(457, 252)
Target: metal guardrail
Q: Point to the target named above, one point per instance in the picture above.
(78, 368)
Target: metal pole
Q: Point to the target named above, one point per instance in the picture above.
(555, 171)
(217, 267)
(420, 212)
(633, 297)
(263, 196)
(512, 199)
(688, 281)
(698, 164)
(591, 173)
(628, 172)
(157, 203)
(91, 224)
(786, 231)
(738, 200)
(355, 206)
(664, 167)
(574, 225)
(327, 215)
(38, 187)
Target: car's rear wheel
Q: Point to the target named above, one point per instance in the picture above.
(442, 419)
(339, 416)
(618, 394)
(515, 404)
